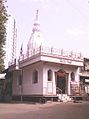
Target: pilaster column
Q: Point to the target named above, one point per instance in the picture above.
(77, 75)
(69, 88)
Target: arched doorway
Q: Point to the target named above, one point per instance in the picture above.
(61, 81)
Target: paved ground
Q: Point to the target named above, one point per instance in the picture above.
(53, 110)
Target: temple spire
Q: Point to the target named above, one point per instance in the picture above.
(37, 11)
(36, 27)
(36, 38)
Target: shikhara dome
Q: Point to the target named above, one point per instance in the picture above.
(36, 38)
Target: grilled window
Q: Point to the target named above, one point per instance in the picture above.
(72, 76)
(35, 76)
(49, 75)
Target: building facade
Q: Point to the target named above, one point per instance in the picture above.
(11, 40)
(45, 72)
(84, 76)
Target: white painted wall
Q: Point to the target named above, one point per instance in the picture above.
(48, 84)
(30, 88)
(55, 68)
(43, 87)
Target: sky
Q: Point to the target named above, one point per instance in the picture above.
(64, 23)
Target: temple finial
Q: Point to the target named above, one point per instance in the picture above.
(37, 14)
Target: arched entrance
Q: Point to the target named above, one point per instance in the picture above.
(61, 81)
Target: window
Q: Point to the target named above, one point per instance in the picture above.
(35, 76)
(49, 75)
(72, 76)
(19, 80)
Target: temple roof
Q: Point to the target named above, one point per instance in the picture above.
(36, 38)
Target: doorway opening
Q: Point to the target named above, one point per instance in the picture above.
(61, 84)
(61, 81)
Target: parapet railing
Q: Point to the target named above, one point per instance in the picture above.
(50, 51)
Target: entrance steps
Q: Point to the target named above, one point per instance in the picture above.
(64, 98)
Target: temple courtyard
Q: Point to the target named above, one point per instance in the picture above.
(50, 110)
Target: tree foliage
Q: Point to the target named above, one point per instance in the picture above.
(3, 20)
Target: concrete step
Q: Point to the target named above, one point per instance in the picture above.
(64, 97)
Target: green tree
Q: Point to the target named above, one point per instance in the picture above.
(3, 20)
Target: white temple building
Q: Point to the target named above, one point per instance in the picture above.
(44, 72)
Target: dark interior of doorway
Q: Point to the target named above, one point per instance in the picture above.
(61, 84)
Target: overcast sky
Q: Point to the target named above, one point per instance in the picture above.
(64, 23)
